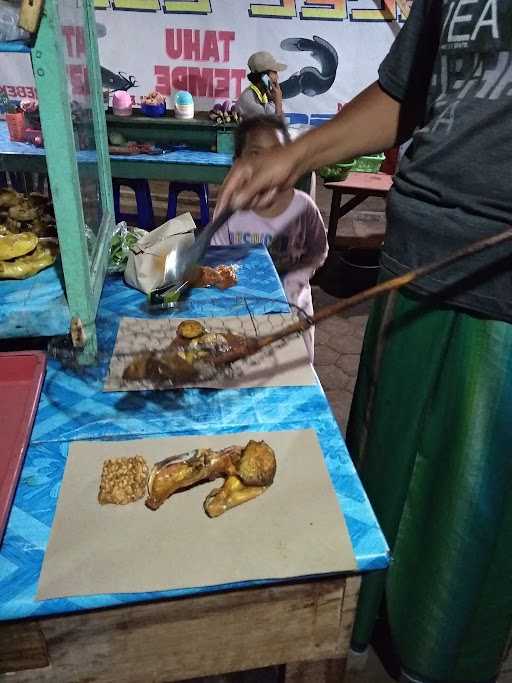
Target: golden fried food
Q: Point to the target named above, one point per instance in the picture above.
(13, 246)
(190, 329)
(188, 357)
(153, 98)
(172, 365)
(171, 475)
(26, 266)
(137, 370)
(232, 493)
(23, 212)
(257, 467)
(160, 367)
(8, 197)
(221, 277)
(123, 480)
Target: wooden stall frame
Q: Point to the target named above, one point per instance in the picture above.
(84, 273)
(305, 625)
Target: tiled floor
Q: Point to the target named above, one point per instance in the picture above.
(338, 344)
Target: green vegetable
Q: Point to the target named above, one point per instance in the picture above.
(119, 249)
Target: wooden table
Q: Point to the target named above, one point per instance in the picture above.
(198, 133)
(305, 626)
(362, 186)
(192, 166)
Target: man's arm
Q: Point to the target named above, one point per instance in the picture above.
(383, 115)
(371, 122)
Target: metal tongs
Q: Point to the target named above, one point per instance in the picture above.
(181, 265)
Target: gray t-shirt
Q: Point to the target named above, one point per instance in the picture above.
(250, 105)
(454, 184)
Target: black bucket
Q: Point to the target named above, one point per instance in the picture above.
(349, 271)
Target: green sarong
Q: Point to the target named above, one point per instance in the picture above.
(430, 432)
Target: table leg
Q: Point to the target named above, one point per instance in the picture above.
(347, 207)
(327, 671)
(334, 217)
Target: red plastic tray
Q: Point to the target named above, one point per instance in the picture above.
(21, 379)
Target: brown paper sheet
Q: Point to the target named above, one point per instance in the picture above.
(295, 529)
(285, 364)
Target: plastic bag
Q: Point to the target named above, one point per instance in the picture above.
(145, 269)
(123, 239)
(9, 17)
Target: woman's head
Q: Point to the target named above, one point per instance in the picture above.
(259, 134)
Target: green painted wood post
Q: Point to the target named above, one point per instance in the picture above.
(51, 82)
(104, 238)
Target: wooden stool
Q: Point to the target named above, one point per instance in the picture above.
(144, 218)
(201, 189)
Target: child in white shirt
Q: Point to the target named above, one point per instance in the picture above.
(292, 228)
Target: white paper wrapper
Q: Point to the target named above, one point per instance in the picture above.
(146, 262)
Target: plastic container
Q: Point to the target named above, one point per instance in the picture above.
(184, 105)
(121, 103)
(337, 172)
(348, 271)
(369, 164)
(154, 111)
(16, 126)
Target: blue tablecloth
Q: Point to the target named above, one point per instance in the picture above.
(34, 307)
(73, 407)
(191, 157)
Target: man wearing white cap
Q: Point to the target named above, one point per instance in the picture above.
(264, 95)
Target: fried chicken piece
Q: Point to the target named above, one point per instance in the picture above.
(221, 277)
(180, 362)
(257, 466)
(190, 329)
(171, 475)
(171, 365)
(161, 367)
(137, 369)
(232, 493)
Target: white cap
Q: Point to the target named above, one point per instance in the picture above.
(264, 61)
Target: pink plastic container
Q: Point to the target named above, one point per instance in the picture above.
(121, 103)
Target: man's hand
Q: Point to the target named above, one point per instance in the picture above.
(276, 95)
(254, 182)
